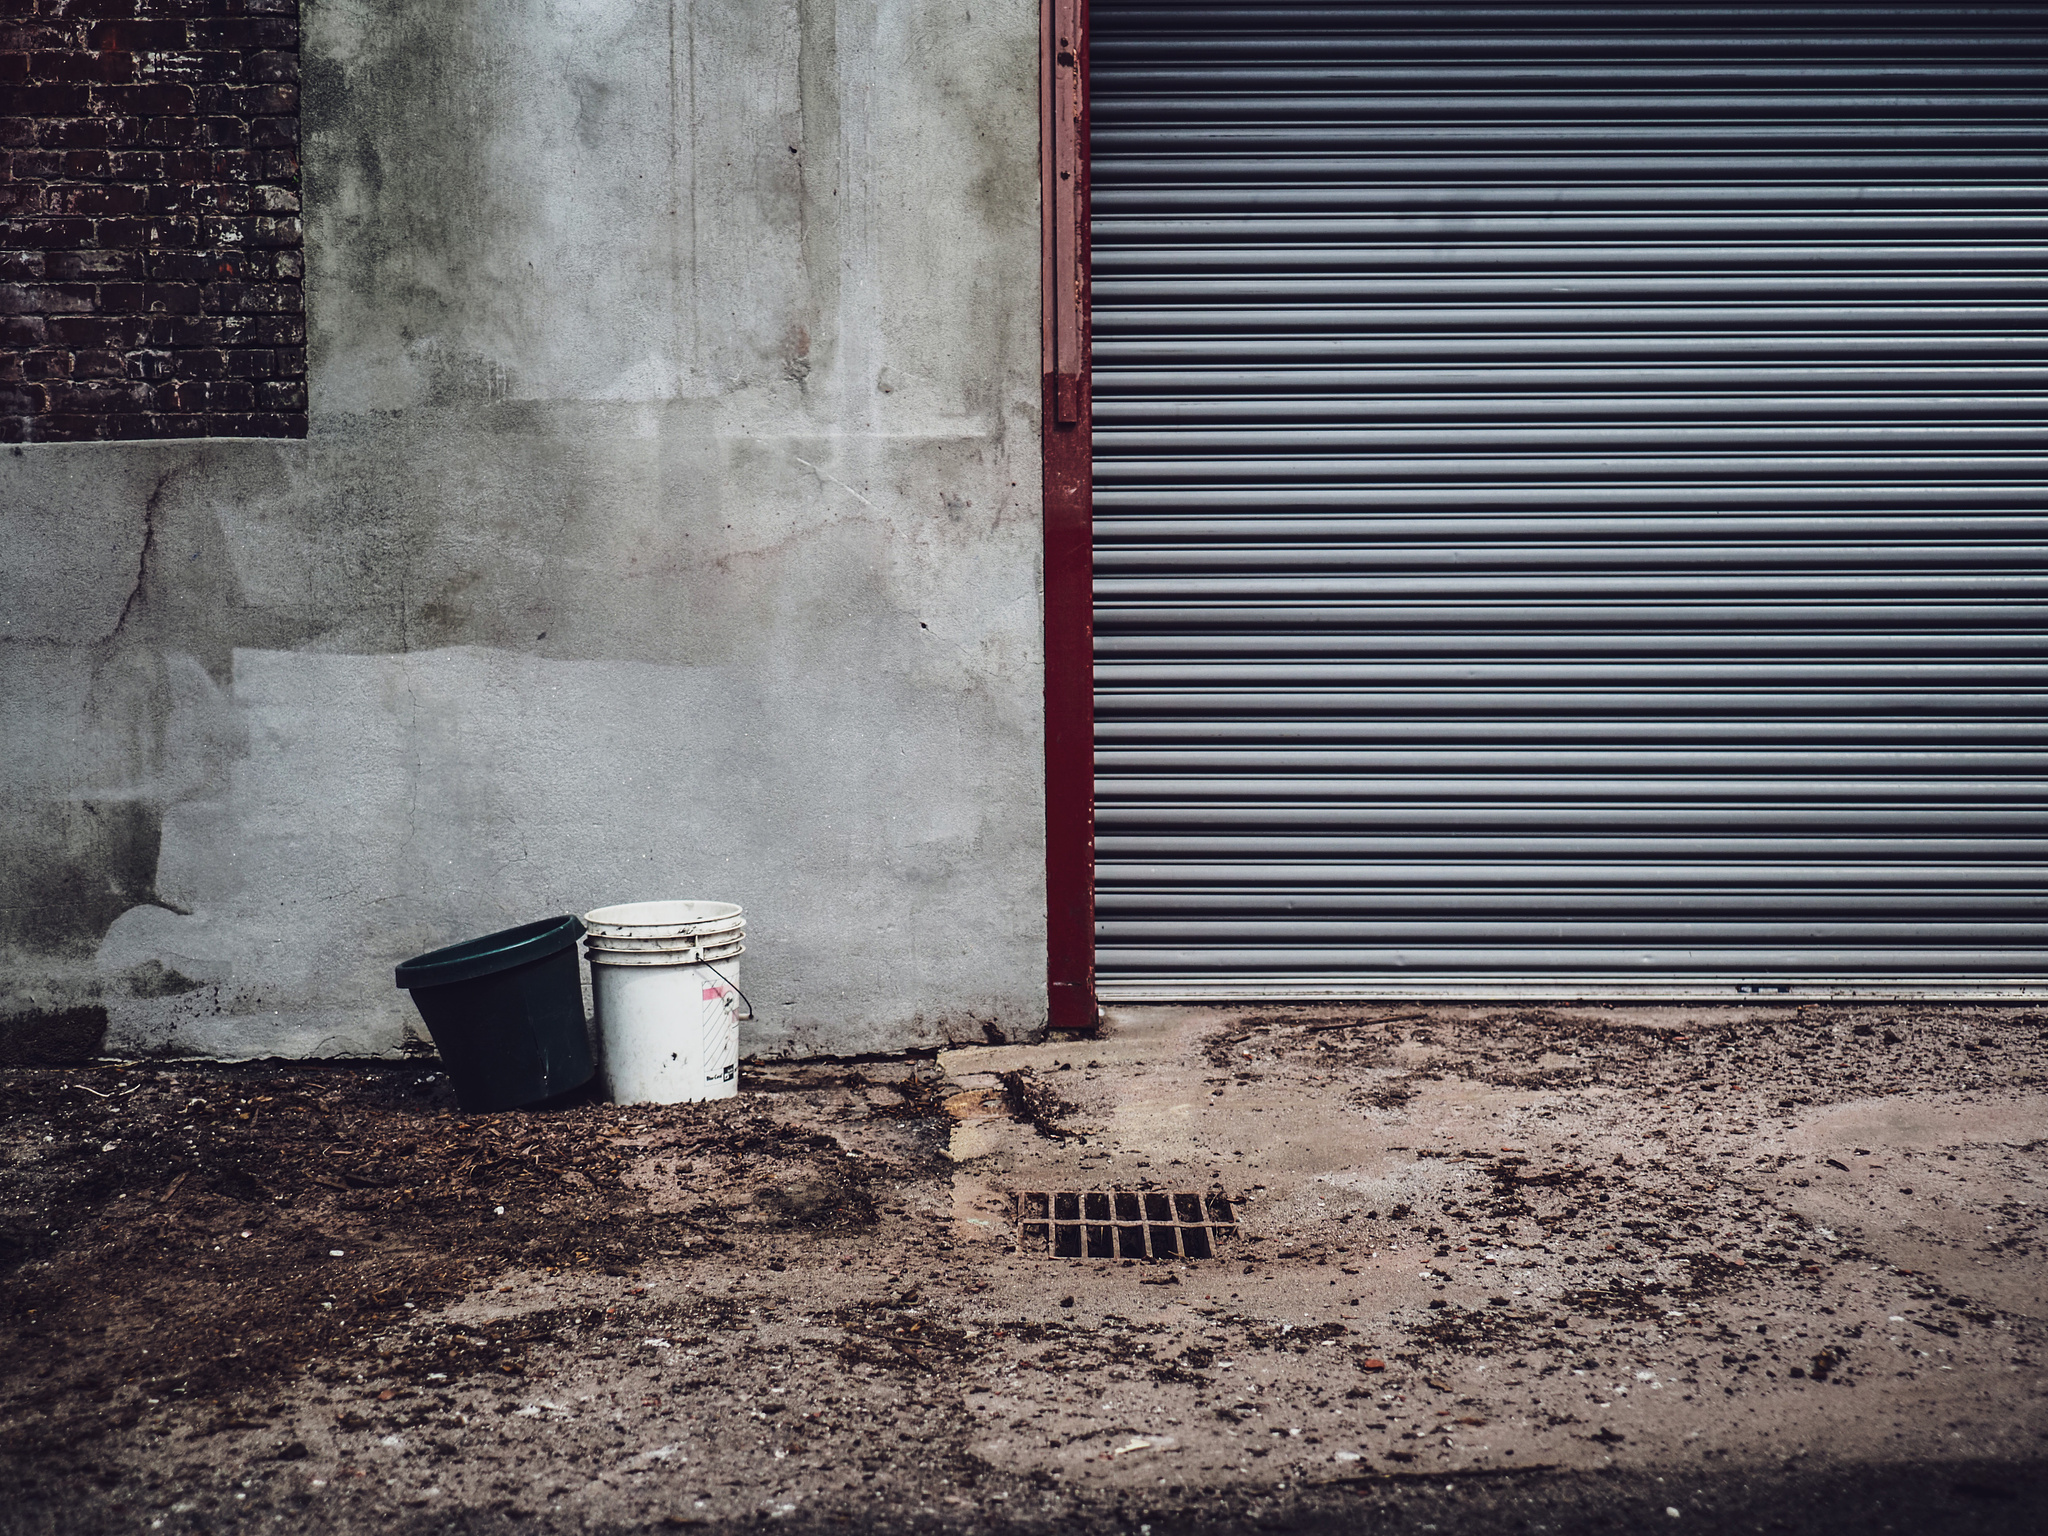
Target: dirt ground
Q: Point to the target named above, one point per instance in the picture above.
(1768, 1268)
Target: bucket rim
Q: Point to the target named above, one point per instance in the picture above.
(663, 931)
(493, 952)
(684, 941)
(664, 919)
(671, 959)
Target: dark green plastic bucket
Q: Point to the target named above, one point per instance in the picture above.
(506, 1014)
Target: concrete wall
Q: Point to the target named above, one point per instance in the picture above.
(668, 526)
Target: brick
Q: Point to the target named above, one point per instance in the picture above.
(122, 298)
(42, 99)
(100, 395)
(46, 233)
(17, 132)
(23, 330)
(47, 365)
(83, 266)
(149, 100)
(106, 394)
(272, 68)
(183, 331)
(23, 266)
(196, 363)
(117, 332)
(196, 164)
(171, 298)
(217, 98)
(262, 424)
(230, 395)
(224, 298)
(275, 133)
(181, 395)
(129, 425)
(273, 200)
(25, 34)
(170, 132)
(237, 33)
(98, 200)
(86, 68)
(13, 68)
(22, 199)
(79, 133)
(167, 197)
(202, 71)
(146, 367)
(111, 234)
(251, 363)
(140, 165)
(181, 266)
(273, 231)
(68, 427)
(226, 132)
(281, 395)
(291, 362)
(176, 233)
(23, 399)
(137, 35)
(173, 424)
(99, 365)
(60, 297)
(46, 299)
(265, 299)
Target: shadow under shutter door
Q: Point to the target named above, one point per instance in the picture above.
(1570, 498)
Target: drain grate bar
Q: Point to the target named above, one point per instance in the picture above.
(1122, 1223)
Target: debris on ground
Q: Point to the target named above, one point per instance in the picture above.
(1491, 1267)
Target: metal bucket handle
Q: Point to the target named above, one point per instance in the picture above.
(746, 1017)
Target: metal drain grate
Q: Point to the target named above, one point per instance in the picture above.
(1122, 1223)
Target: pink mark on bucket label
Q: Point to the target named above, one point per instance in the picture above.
(712, 994)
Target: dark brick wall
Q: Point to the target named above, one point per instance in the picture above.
(150, 252)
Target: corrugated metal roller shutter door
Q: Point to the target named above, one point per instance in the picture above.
(1569, 496)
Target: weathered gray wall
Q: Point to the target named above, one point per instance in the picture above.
(668, 526)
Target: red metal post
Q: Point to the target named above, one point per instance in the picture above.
(1069, 520)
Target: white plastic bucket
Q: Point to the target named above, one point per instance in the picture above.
(662, 975)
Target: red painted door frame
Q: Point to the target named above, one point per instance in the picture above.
(1069, 472)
